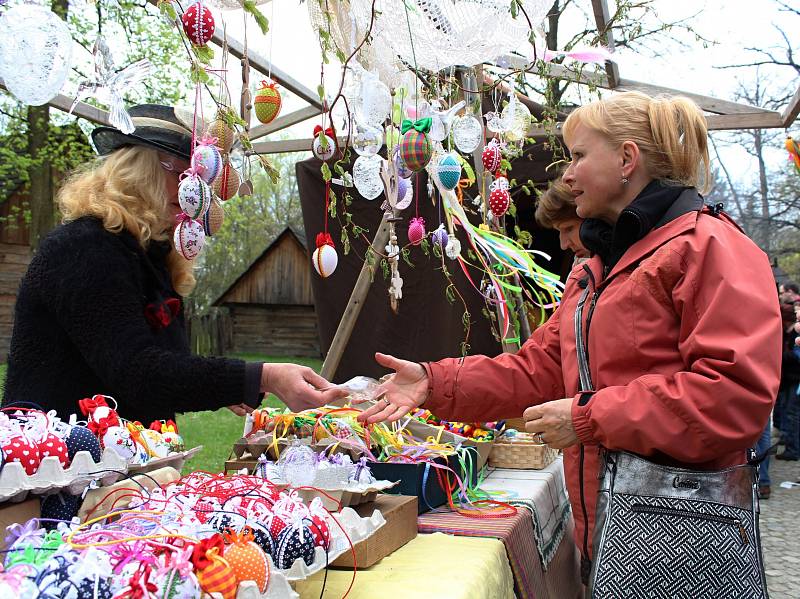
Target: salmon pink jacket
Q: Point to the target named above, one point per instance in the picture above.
(684, 346)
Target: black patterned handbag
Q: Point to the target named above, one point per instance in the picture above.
(666, 532)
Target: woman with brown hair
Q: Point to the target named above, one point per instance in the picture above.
(100, 309)
(556, 210)
(676, 310)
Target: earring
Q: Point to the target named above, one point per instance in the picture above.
(624, 180)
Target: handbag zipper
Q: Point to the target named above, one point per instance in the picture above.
(666, 511)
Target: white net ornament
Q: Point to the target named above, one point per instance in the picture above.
(35, 51)
(367, 140)
(518, 117)
(367, 176)
(467, 133)
(374, 104)
(437, 34)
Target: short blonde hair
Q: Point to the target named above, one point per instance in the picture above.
(556, 205)
(671, 133)
(127, 190)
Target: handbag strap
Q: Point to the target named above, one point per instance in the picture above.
(580, 344)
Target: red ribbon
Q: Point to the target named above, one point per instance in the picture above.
(88, 405)
(324, 239)
(199, 557)
(101, 425)
(140, 586)
(160, 315)
(329, 132)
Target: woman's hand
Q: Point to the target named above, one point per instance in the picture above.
(240, 409)
(553, 422)
(404, 391)
(298, 387)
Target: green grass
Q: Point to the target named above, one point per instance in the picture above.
(217, 431)
(2, 378)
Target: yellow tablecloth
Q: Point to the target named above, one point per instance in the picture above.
(435, 565)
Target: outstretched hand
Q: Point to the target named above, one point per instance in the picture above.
(402, 392)
(298, 387)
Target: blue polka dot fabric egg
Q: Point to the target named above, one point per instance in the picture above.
(82, 439)
(61, 506)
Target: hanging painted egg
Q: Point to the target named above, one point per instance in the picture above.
(223, 133)
(499, 201)
(194, 196)
(416, 230)
(207, 161)
(227, 184)
(491, 156)
(198, 24)
(449, 171)
(213, 219)
(416, 150)
(327, 150)
(440, 237)
(189, 238)
(267, 102)
(325, 257)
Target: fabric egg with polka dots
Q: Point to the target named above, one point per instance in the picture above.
(81, 438)
(295, 542)
(18, 448)
(53, 445)
(248, 563)
(263, 538)
(60, 506)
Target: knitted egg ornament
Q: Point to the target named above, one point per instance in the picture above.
(198, 24)
(325, 257)
(207, 161)
(267, 102)
(227, 184)
(225, 135)
(491, 156)
(194, 196)
(449, 172)
(213, 219)
(18, 448)
(247, 560)
(82, 439)
(416, 230)
(416, 150)
(189, 238)
(499, 201)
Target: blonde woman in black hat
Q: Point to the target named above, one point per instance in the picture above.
(100, 308)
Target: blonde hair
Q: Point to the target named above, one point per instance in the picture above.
(127, 190)
(556, 205)
(671, 133)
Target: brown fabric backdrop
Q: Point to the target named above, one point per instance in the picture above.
(427, 327)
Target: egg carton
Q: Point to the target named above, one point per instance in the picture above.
(356, 528)
(175, 460)
(353, 494)
(16, 484)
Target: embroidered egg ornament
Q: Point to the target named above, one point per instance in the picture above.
(194, 195)
(248, 561)
(267, 102)
(226, 185)
(189, 238)
(119, 439)
(207, 161)
(198, 23)
(325, 257)
(491, 156)
(416, 230)
(213, 219)
(154, 443)
(499, 201)
(330, 147)
(448, 171)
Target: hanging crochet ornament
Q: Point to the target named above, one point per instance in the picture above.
(224, 134)
(440, 237)
(374, 102)
(453, 248)
(246, 559)
(467, 133)
(325, 257)
(227, 184)
(499, 201)
(491, 156)
(35, 52)
(213, 218)
(324, 146)
(267, 102)
(367, 176)
(206, 159)
(189, 237)
(367, 139)
(198, 23)
(416, 230)
(449, 171)
(194, 195)
(416, 148)
(518, 117)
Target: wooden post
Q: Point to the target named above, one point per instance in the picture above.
(356, 302)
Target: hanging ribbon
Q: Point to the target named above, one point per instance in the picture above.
(421, 125)
(329, 132)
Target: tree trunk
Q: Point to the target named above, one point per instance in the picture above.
(40, 173)
(763, 190)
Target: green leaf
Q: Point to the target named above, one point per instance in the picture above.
(405, 253)
(326, 172)
(260, 19)
(204, 54)
(514, 9)
(340, 55)
(321, 91)
(198, 74)
(168, 10)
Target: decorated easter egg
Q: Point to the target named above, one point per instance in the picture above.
(416, 150)
(213, 219)
(325, 257)
(156, 446)
(294, 542)
(189, 238)
(82, 439)
(416, 230)
(207, 161)
(327, 150)
(267, 102)
(402, 170)
(440, 237)
(449, 171)
(226, 185)
(194, 196)
(61, 506)
(53, 445)
(491, 156)
(198, 23)
(19, 448)
(119, 439)
(223, 133)
(499, 201)
(248, 562)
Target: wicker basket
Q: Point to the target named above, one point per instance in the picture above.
(522, 453)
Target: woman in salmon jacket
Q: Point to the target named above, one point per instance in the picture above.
(681, 320)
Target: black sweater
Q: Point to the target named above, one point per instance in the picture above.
(80, 329)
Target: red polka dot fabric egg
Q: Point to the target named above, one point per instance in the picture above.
(53, 445)
(18, 448)
(198, 24)
(499, 201)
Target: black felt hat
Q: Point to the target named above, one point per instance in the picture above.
(161, 127)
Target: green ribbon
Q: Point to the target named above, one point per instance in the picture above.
(421, 125)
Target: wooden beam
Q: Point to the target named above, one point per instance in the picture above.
(82, 110)
(756, 120)
(282, 122)
(288, 145)
(792, 110)
(601, 18)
